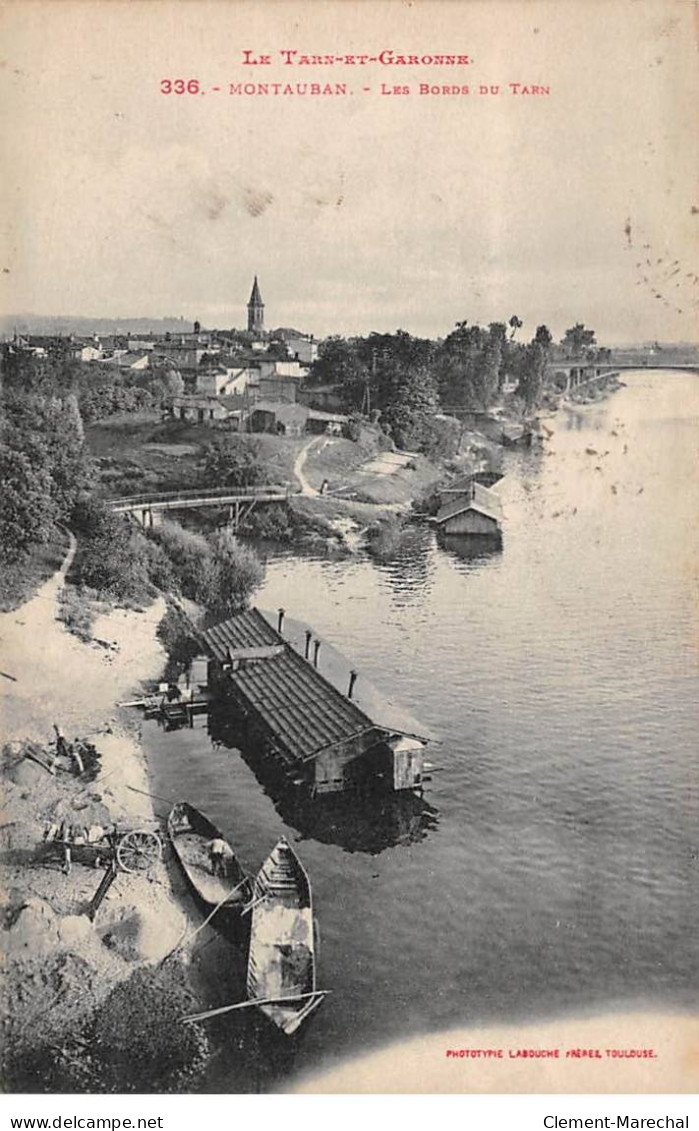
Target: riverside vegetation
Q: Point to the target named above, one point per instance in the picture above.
(54, 413)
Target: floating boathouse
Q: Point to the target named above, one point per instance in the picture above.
(469, 506)
(319, 736)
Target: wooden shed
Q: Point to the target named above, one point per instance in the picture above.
(319, 737)
(476, 510)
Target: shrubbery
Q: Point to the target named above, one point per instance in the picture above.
(112, 557)
(189, 558)
(236, 571)
(43, 468)
(272, 522)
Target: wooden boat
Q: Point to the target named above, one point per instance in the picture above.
(281, 977)
(191, 833)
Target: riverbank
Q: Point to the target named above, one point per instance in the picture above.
(62, 970)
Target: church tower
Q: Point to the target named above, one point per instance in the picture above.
(256, 311)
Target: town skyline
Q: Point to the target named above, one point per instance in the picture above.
(363, 212)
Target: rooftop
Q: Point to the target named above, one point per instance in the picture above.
(481, 499)
(301, 709)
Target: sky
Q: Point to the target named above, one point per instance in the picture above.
(368, 211)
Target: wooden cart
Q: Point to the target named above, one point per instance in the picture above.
(132, 850)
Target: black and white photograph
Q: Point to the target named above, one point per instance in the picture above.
(349, 602)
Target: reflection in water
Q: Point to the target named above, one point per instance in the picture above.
(369, 821)
(561, 675)
(410, 571)
(471, 550)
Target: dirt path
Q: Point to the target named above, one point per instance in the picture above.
(306, 488)
(58, 678)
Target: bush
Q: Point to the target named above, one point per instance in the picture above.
(236, 572)
(272, 522)
(439, 437)
(112, 558)
(176, 637)
(189, 559)
(133, 1042)
(231, 461)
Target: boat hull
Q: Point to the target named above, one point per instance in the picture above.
(281, 963)
(190, 833)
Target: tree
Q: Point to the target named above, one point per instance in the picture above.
(339, 364)
(236, 571)
(49, 432)
(112, 558)
(543, 336)
(470, 365)
(28, 512)
(533, 372)
(578, 340)
(231, 461)
(515, 324)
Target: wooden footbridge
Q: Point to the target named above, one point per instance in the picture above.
(239, 500)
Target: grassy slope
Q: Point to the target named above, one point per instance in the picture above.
(141, 452)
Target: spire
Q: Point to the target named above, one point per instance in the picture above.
(255, 296)
(256, 310)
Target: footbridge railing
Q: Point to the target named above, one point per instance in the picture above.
(239, 501)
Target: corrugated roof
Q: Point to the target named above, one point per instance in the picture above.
(303, 711)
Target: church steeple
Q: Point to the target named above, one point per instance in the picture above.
(256, 310)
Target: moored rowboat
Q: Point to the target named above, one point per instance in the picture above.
(281, 978)
(191, 833)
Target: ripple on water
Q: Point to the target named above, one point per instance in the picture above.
(555, 864)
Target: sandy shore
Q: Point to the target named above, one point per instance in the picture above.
(51, 948)
(57, 678)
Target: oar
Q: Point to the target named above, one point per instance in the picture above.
(154, 796)
(254, 903)
(246, 1004)
(184, 938)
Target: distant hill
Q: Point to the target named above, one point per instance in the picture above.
(44, 324)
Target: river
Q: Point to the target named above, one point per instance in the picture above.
(551, 867)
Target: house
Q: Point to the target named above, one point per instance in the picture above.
(201, 408)
(138, 345)
(332, 423)
(182, 355)
(286, 419)
(86, 351)
(124, 359)
(276, 387)
(317, 735)
(289, 419)
(304, 350)
(280, 367)
(474, 509)
(301, 347)
(224, 380)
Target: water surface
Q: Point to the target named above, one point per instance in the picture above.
(551, 866)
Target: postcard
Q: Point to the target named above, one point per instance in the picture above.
(350, 395)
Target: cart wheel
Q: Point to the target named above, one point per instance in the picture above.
(137, 851)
